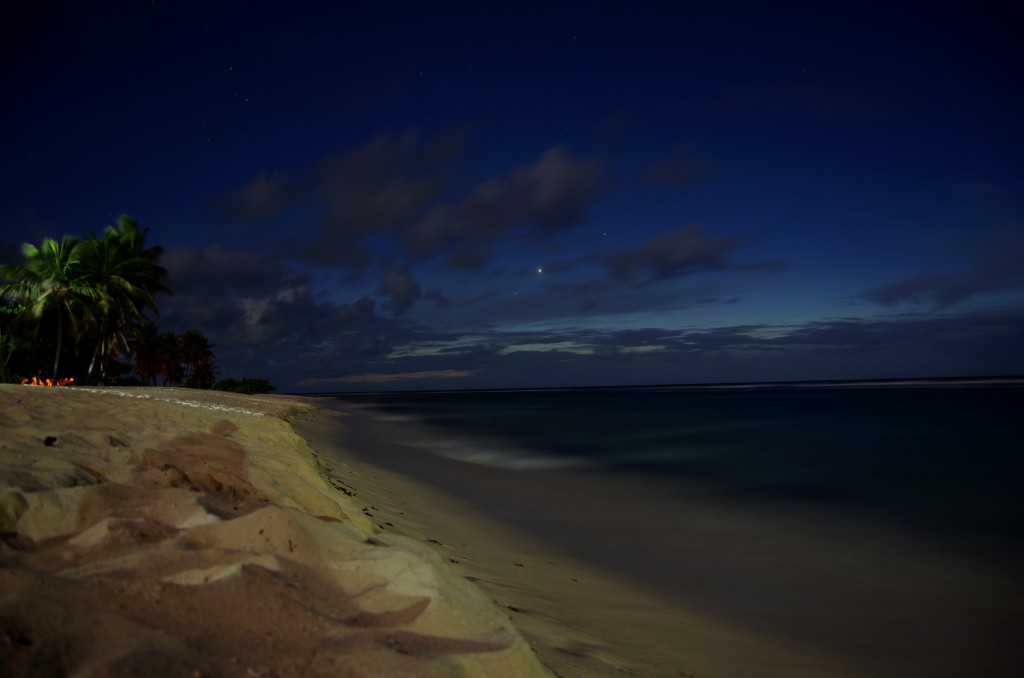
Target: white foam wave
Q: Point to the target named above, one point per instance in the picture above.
(489, 454)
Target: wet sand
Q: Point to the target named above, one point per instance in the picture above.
(689, 583)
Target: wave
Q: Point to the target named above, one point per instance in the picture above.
(499, 455)
(480, 450)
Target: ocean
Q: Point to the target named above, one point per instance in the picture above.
(878, 522)
(943, 454)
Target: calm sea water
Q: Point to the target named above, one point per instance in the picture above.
(939, 453)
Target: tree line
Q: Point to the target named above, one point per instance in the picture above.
(82, 305)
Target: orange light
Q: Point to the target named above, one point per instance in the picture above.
(36, 381)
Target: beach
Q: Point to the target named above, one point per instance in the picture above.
(172, 532)
(685, 577)
(181, 532)
(580, 617)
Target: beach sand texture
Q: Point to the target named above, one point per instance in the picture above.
(172, 532)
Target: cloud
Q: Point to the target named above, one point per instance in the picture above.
(385, 378)
(303, 342)
(992, 262)
(225, 272)
(380, 188)
(261, 199)
(549, 195)
(643, 337)
(385, 199)
(671, 255)
(265, 318)
(961, 344)
(941, 289)
(401, 290)
(438, 297)
(961, 338)
(331, 210)
(477, 351)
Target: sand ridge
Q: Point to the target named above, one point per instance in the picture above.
(178, 532)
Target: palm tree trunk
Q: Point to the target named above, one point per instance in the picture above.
(60, 341)
(95, 353)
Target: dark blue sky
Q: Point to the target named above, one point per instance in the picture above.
(362, 197)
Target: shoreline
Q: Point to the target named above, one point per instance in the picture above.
(200, 533)
(581, 619)
(842, 595)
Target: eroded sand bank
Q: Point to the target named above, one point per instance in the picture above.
(176, 532)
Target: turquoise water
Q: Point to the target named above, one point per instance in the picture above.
(939, 453)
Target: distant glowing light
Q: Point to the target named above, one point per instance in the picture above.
(540, 270)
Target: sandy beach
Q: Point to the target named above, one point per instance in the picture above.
(610, 573)
(175, 532)
(580, 618)
(169, 532)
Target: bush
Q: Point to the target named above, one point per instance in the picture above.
(247, 386)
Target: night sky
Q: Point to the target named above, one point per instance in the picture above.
(378, 196)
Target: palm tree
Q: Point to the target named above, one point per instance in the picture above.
(127, 278)
(50, 283)
(167, 354)
(197, 354)
(10, 342)
(143, 345)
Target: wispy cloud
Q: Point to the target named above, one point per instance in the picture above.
(671, 254)
(385, 378)
(991, 262)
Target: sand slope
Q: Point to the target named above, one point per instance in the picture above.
(176, 532)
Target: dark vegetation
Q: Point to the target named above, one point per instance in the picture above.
(248, 385)
(81, 308)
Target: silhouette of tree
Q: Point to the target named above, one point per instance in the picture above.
(52, 285)
(197, 354)
(126, 277)
(168, 358)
